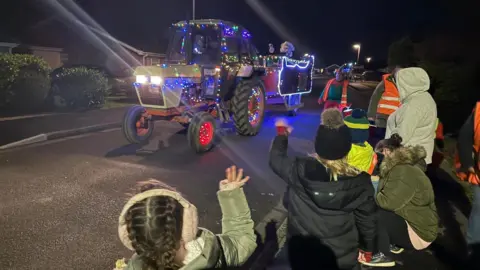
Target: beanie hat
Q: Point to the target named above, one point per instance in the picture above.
(333, 140)
(359, 125)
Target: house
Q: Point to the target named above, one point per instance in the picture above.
(55, 57)
(331, 69)
(124, 57)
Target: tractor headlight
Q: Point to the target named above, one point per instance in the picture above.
(156, 80)
(141, 79)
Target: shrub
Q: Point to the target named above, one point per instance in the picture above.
(24, 81)
(79, 87)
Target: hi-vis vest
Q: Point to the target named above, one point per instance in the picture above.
(390, 100)
(363, 158)
(439, 130)
(344, 91)
(472, 178)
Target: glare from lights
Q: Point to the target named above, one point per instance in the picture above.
(156, 80)
(356, 46)
(141, 79)
(369, 59)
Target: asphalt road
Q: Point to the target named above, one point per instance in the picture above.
(60, 200)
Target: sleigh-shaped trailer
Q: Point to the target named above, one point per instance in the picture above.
(287, 79)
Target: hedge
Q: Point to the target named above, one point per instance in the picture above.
(79, 87)
(24, 81)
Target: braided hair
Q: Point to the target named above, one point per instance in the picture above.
(154, 226)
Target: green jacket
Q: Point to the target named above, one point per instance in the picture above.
(406, 190)
(238, 240)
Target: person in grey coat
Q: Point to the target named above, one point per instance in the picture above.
(415, 120)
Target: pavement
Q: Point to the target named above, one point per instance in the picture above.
(60, 199)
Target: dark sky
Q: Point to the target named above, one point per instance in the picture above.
(327, 28)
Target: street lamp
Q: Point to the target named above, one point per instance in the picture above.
(357, 47)
(369, 59)
(193, 6)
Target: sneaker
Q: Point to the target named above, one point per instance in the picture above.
(379, 260)
(396, 249)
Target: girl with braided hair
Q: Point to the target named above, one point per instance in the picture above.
(162, 228)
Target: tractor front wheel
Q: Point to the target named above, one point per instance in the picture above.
(137, 127)
(248, 107)
(201, 132)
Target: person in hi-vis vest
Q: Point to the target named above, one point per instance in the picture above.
(334, 95)
(467, 163)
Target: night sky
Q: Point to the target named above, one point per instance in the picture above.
(326, 28)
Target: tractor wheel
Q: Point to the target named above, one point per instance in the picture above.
(248, 107)
(201, 132)
(137, 127)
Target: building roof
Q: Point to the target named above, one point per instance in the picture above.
(8, 44)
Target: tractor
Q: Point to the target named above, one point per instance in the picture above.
(212, 73)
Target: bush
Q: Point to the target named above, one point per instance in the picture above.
(24, 81)
(79, 87)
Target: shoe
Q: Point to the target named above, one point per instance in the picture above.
(396, 249)
(379, 260)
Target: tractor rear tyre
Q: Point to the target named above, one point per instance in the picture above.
(137, 127)
(201, 132)
(248, 106)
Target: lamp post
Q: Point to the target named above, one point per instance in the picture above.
(193, 7)
(357, 47)
(369, 59)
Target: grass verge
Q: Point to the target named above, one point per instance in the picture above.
(118, 102)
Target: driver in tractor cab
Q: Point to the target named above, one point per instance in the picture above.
(334, 95)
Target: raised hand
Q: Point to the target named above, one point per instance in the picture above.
(233, 179)
(283, 128)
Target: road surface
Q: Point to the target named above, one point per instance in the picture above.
(60, 200)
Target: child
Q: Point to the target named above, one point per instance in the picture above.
(362, 154)
(161, 227)
(328, 200)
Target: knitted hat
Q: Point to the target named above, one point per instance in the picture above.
(359, 125)
(333, 140)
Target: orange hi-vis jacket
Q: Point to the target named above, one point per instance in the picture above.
(439, 131)
(390, 100)
(344, 92)
(472, 178)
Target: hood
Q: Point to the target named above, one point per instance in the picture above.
(411, 81)
(411, 155)
(343, 194)
(169, 71)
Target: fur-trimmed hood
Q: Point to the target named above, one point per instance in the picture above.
(411, 155)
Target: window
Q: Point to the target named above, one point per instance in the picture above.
(155, 61)
(177, 50)
(206, 46)
(232, 49)
(244, 49)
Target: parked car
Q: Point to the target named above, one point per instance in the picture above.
(119, 85)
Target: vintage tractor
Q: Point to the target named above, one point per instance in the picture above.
(212, 73)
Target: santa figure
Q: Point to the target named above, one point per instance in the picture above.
(287, 48)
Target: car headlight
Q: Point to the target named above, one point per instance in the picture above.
(141, 79)
(156, 80)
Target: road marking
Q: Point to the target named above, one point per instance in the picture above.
(3, 119)
(27, 141)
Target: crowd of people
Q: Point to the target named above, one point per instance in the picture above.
(361, 203)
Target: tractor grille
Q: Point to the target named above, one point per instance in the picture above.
(151, 96)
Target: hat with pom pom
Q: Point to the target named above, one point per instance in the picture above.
(359, 125)
(333, 140)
